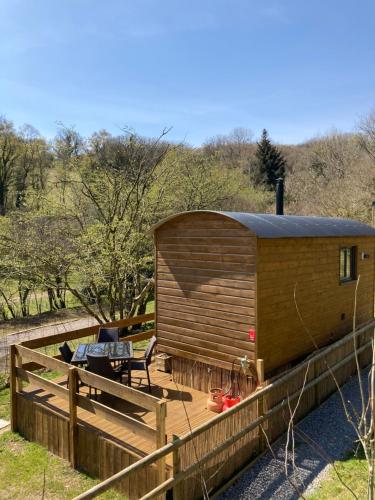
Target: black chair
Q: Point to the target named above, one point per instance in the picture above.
(67, 355)
(144, 362)
(101, 365)
(66, 352)
(108, 334)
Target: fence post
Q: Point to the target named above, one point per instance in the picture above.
(260, 402)
(13, 388)
(177, 493)
(161, 413)
(260, 371)
(72, 383)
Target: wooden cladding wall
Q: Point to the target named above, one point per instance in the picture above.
(205, 288)
(304, 272)
(204, 377)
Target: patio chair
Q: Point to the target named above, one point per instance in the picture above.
(66, 352)
(108, 334)
(101, 365)
(67, 355)
(144, 362)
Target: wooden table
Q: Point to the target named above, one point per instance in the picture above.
(116, 351)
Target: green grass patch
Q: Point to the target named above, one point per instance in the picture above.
(150, 307)
(5, 391)
(50, 374)
(353, 472)
(27, 470)
(37, 300)
(5, 403)
(53, 350)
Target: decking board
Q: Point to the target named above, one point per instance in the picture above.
(162, 385)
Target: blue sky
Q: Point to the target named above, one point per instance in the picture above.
(297, 68)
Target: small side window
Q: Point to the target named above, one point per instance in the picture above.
(348, 262)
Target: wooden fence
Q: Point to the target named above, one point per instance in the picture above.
(209, 455)
(65, 435)
(93, 331)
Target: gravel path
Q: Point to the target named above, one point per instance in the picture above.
(327, 427)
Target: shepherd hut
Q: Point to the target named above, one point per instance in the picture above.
(269, 287)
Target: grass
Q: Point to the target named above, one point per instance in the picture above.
(5, 392)
(4, 403)
(27, 470)
(53, 350)
(49, 374)
(150, 307)
(25, 466)
(353, 472)
(37, 305)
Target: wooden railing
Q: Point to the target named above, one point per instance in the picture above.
(308, 383)
(93, 330)
(24, 361)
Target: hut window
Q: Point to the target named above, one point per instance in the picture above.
(348, 264)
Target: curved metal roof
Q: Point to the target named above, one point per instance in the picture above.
(290, 226)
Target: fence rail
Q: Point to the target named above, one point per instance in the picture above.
(93, 330)
(309, 383)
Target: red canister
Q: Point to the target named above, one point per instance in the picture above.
(230, 401)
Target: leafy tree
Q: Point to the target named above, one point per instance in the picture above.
(199, 183)
(112, 197)
(233, 151)
(68, 145)
(269, 163)
(36, 255)
(34, 162)
(9, 152)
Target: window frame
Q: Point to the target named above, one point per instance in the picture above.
(353, 264)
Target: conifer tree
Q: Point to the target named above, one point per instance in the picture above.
(270, 163)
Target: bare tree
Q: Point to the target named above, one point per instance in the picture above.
(367, 135)
(331, 177)
(235, 150)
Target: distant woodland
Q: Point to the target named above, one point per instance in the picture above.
(75, 212)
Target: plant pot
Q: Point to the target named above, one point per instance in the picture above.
(229, 401)
(215, 400)
(163, 362)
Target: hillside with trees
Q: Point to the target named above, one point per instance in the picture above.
(75, 212)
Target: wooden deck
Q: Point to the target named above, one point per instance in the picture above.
(186, 409)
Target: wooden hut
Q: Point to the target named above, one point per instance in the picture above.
(270, 287)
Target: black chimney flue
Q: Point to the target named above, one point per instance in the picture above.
(280, 196)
